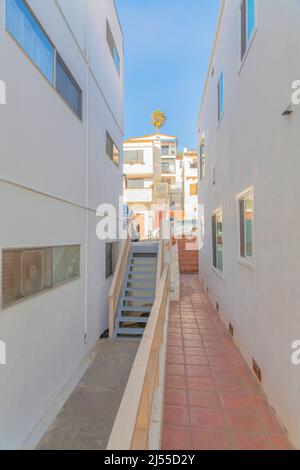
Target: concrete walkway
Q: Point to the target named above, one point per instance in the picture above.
(86, 419)
(212, 399)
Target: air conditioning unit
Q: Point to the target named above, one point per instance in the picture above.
(32, 269)
(172, 152)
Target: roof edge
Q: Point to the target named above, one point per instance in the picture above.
(212, 55)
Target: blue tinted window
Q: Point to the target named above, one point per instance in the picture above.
(250, 17)
(117, 60)
(112, 47)
(23, 26)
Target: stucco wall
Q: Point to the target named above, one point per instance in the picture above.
(45, 147)
(254, 146)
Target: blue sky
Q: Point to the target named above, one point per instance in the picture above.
(167, 50)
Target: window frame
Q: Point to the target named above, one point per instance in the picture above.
(55, 53)
(58, 58)
(220, 111)
(202, 159)
(132, 162)
(245, 260)
(111, 158)
(110, 243)
(214, 265)
(39, 24)
(115, 49)
(249, 39)
(46, 289)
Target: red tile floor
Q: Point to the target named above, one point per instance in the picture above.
(212, 399)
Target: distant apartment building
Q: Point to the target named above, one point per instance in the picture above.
(149, 178)
(190, 184)
(61, 136)
(249, 185)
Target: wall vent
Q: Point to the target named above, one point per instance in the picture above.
(256, 370)
(231, 329)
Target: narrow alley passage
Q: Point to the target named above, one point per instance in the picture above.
(212, 399)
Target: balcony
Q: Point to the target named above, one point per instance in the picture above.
(168, 169)
(138, 195)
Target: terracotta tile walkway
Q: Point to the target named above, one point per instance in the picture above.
(212, 399)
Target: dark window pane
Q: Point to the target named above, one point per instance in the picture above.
(243, 28)
(242, 228)
(112, 150)
(67, 87)
(108, 259)
(112, 47)
(133, 156)
(214, 241)
(136, 184)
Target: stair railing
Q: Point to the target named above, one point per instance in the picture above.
(116, 286)
(161, 257)
(132, 425)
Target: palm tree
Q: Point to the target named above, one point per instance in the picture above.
(158, 119)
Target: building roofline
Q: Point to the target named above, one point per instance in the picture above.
(146, 136)
(212, 55)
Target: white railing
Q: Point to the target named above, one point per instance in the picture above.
(115, 290)
(132, 424)
(138, 195)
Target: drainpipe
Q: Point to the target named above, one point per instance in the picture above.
(87, 176)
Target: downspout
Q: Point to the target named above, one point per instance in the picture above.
(87, 176)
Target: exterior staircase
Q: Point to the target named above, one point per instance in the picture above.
(138, 291)
(188, 256)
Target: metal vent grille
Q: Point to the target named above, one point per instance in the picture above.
(32, 263)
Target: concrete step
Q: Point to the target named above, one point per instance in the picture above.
(135, 309)
(137, 299)
(132, 320)
(129, 331)
(142, 273)
(139, 289)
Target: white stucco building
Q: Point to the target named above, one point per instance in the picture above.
(149, 178)
(61, 130)
(250, 190)
(190, 183)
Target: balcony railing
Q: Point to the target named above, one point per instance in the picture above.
(138, 195)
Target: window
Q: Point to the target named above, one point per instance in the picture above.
(246, 225)
(221, 97)
(30, 36)
(111, 258)
(165, 149)
(135, 184)
(248, 21)
(67, 87)
(202, 160)
(194, 164)
(133, 156)
(112, 150)
(25, 28)
(28, 272)
(112, 47)
(217, 239)
(168, 167)
(193, 189)
(66, 264)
